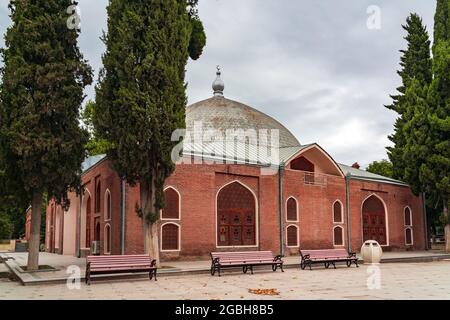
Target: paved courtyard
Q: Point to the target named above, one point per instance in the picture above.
(398, 281)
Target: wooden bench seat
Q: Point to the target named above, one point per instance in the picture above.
(119, 264)
(245, 259)
(327, 257)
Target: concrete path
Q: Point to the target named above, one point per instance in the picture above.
(62, 263)
(395, 280)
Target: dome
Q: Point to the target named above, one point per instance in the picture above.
(222, 114)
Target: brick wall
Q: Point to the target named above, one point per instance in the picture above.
(198, 186)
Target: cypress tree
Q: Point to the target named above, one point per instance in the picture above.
(418, 142)
(44, 76)
(437, 171)
(415, 64)
(141, 99)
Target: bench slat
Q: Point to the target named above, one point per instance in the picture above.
(119, 264)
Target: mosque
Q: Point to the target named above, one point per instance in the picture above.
(252, 187)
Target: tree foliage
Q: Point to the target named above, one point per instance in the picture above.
(44, 75)
(95, 145)
(383, 168)
(421, 154)
(415, 65)
(437, 172)
(141, 99)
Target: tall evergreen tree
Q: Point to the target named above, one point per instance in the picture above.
(141, 99)
(418, 142)
(44, 76)
(437, 171)
(416, 65)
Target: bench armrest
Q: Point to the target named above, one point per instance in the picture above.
(153, 263)
(352, 254)
(278, 258)
(215, 261)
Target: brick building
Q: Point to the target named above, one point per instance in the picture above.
(253, 186)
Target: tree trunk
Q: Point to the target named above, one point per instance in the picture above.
(150, 230)
(447, 228)
(35, 232)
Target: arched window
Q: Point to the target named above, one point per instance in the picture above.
(171, 211)
(408, 236)
(408, 217)
(107, 240)
(302, 164)
(292, 236)
(98, 190)
(170, 237)
(291, 210)
(337, 212)
(107, 207)
(338, 236)
(236, 216)
(408, 227)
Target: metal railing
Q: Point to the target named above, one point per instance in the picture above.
(315, 179)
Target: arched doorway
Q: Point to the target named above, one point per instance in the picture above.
(236, 216)
(374, 220)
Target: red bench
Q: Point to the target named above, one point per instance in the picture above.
(327, 257)
(245, 259)
(119, 264)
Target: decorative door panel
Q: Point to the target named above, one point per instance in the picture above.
(236, 236)
(374, 227)
(223, 236)
(236, 216)
(374, 221)
(249, 235)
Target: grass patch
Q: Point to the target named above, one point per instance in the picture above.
(167, 267)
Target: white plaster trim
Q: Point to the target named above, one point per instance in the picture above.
(412, 236)
(105, 238)
(298, 236)
(342, 212)
(296, 207)
(179, 237)
(105, 206)
(386, 218)
(410, 217)
(343, 238)
(315, 146)
(179, 205)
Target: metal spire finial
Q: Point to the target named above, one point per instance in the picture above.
(218, 85)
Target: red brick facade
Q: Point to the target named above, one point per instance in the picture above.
(198, 186)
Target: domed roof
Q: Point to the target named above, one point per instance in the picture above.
(222, 114)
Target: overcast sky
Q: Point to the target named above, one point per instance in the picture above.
(314, 65)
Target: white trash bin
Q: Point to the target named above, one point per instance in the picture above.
(371, 252)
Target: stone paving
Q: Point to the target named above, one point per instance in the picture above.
(398, 281)
(62, 262)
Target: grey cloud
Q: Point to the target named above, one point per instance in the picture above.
(311, 64)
